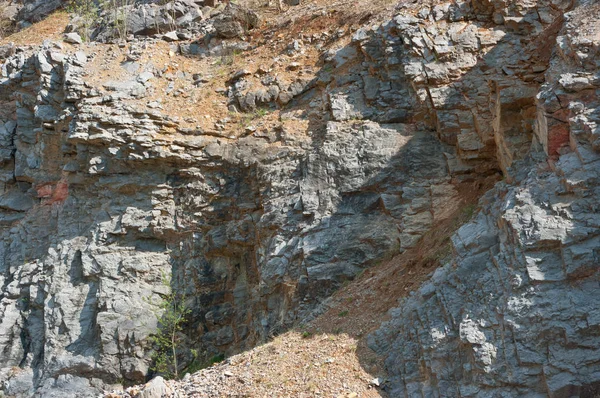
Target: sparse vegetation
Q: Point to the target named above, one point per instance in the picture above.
(260, 112)
(172, 314)
(118, 9)
(217, 358)
(467, 212)
(90, 13)
(87, 11)
(247, 118)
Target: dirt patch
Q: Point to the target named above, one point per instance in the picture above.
(359, 308)
(50, 28)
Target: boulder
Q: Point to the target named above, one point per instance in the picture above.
(235, 21)
(73, 38)
(149, 19)
(155, 388)
(36, 10)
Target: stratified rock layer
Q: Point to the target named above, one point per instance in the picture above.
(515, 313)
(101, 196)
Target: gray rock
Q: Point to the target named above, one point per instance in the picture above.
(235, 21)
(155, 388)
(171, 36)
(102, 194)
(73, 38)
(17, 201)
(36, 10)
(523, 267)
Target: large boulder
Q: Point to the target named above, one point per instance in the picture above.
(235, 21)
(36, 10)
(155, 388)
(150, 19)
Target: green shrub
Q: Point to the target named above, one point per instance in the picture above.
(217, 358)
(171, 313)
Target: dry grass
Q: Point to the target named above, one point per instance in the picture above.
(50, 28)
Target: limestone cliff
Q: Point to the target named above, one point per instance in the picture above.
(264, 173)
(514, 313)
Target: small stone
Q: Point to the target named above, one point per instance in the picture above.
(240, 74)
(184, 35)
(170, 37)
(144, 77)
(375, 382)
(73, 38)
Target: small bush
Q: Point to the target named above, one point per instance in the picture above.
(92, 13)
(171, 313)
(118, 11)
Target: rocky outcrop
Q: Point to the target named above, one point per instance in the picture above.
(32, 11)
(513, 313)
(101, 197)
(235, 21)
(102, 194)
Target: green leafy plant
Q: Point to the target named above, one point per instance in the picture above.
(196, 363)
(171, 313)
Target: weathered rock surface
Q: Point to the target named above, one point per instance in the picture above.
(35, 10)
(235, 21)
(100, 195)
(514, 313)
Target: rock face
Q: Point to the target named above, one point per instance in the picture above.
(514, 313)
(101, 196)
(36, 10)
(235, 21)
(150, 18)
